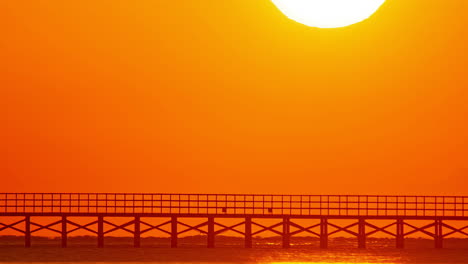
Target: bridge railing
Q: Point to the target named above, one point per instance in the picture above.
(233, 204)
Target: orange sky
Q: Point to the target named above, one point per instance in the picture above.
(231, 96)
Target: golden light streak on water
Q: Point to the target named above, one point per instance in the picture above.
(326, 263)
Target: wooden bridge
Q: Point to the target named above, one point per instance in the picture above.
(323, 211)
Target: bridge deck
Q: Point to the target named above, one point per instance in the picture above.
(172, 209)
(233, 205)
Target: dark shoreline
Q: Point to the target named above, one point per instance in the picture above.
(230, 250)
(229, 241)
(116, 254)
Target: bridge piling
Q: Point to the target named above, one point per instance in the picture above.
(64, 231)
(400, 234)
(438, 235)
(100, 232)
(286, 233)
(27, 231)
(362, 233)
(211, 233)
(324, 233)
(248, 232)
(173, 232)
(136, 233)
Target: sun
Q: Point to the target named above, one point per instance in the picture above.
(328, 13)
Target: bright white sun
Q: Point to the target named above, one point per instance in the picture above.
(328, 13)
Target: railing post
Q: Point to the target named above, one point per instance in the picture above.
(248, 232)
(27, 231)
(64, 231)
(136, 232)
(323, 233)
(100, 233)
(173, 232)
(286, 233)
(362, 233)
(400, 234)
(438, 237)
(211, 234)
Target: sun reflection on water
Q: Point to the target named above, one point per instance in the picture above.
(308, 262)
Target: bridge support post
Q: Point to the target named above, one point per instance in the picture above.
(64, 231)
(438, 235)
(324, 233)
(400, 234)
(100, 232)
(173, 232)
(136, 233)
(27, 231)
(362, 233)
(286, 233)
(211, 234)
(248, 232)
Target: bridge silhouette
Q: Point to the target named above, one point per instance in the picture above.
(249, 209)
